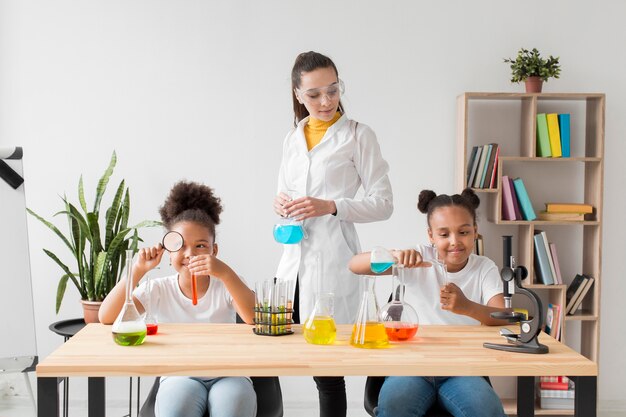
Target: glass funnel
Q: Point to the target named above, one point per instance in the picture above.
(399, 318)
(319, 328)
(129, 329)
(368, 331)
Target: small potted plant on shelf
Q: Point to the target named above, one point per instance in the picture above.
(531, 68)
(98, 249)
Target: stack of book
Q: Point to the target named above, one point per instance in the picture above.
(556, 392)
(547, 268)
(580, 286)
(554, 321)
(516, 204)
(553, 135)
(566, 211)
(482, 166)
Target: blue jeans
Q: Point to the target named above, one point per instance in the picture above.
(191, 397)
(412, 396)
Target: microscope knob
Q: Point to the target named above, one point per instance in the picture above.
(525, 327)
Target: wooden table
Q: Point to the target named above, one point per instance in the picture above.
(232, 349)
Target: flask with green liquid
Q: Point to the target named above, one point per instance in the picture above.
(129, 329)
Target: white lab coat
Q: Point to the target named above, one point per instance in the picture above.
(347, 158)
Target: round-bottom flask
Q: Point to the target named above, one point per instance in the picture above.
(129, 329)
(399, 318)
(368, 331)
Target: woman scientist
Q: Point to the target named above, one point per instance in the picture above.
(326, 159)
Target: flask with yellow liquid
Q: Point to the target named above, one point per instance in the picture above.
(319, 328)
(368, 331)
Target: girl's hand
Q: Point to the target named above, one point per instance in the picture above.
(307, 207)
(410, 258)
(148, 259)
(207, 265)
(279, 203)
(453, 299)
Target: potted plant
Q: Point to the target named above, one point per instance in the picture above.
(98, 250)
(531, 68)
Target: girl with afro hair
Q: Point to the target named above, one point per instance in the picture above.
(192, 210)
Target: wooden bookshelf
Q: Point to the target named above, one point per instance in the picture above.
(509, 119)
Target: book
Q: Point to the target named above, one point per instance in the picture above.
(569, 208)
(564, 131)
(470, 164)
(508, 209)
(524, 200)
(561, 386)
(558, 320)
(573, 291)
(554, 403)
(542, 265)
(582, 294)
(549, 328)
(553, 133)
(489, 168)
(479, 150)
(518, 211)
(560, 217)
(558, 279)
(479, 248)
(559, 378)
(546, 245)
(543, 140)
(482, 167)
(494, 172)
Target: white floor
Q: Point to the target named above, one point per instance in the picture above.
(11, 407)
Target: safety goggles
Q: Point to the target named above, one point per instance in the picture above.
(316, 95)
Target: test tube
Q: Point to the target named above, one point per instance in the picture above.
(289, 306)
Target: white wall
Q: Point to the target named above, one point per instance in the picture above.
(200, 90)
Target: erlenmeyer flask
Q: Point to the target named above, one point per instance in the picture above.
(129, 329)
(400, 319)
(289, 231)
(369, 331)
(152, 323)
(381, 260)
(320, 329)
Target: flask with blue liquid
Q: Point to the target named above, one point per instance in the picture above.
(289, 231)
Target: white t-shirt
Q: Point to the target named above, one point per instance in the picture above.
(170, 305)
(479, 280)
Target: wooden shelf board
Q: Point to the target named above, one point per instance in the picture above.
(539, 96)
(552, 160)
(581, 316)
(546, 287)
(547, 222)
(485, 190)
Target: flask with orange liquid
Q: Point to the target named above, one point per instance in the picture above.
(399, 318)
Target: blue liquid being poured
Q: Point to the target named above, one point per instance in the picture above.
(288, 233)
(380, 267)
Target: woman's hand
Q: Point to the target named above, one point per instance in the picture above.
(279, 204)
(148, 259)
(207, 265)
(453, 299)
(410, 258)
(307, 207)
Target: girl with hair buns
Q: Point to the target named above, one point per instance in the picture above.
(473, 291)
(192, 210)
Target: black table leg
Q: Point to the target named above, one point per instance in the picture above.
(47, 397)
(95, 397)
(586, 396)
(525, 396)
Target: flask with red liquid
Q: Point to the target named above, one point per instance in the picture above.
(399, 318)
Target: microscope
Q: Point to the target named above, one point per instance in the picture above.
(526, 341)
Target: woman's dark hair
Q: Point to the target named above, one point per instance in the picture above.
(192, 202)
(307, 62)
(428, 202)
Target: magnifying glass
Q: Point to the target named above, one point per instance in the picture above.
(173, 242)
